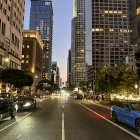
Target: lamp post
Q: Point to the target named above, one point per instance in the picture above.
(83, 51)
(36, 77)
(137, 90)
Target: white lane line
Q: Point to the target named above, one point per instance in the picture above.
(15, 122)
(63, 127)
(125, 130)
(19, 136)
(63, 106)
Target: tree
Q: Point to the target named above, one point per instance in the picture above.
(116, 79)
(47, 85)
(83, 85)
(56, 87)
(29, 80)
(128, 81)
(17, 78)
(137, 56)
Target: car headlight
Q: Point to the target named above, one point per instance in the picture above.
(27, 104)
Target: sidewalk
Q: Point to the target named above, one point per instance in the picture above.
(97, 103)
(101, 105)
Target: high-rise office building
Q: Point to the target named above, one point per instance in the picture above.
(108, 32)
(11, 27)
(41, 19)
(32, 53)
(69, 83)
(135, 13)
(78, 43)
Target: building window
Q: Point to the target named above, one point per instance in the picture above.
(28, 46)
(47, 3)
(22, 56)
(0, 60)
(27, 56)
(3, 28)
(27, 61)
(22, 61)
(138, 10)
(138, 27)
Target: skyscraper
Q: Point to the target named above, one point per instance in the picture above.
(69, 68)
(78, 43)
(135, 12)
(108, 31)
(41, 19)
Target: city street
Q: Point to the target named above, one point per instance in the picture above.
(62, 118)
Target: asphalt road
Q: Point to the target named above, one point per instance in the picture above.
(61, 118)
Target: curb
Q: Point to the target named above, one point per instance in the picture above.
(103, 106)
(100, 105)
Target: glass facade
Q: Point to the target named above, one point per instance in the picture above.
(78, 65)
(41, 19)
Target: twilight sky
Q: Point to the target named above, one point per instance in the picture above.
(61, 34)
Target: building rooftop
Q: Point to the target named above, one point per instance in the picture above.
(33, 34)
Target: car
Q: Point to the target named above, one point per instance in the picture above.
(7, 109)
(77, 96)
(26, 103)
(127, 113)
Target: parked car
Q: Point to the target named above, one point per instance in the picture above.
(127, 113)
(5, 95)
(26, 103)
(7, 109)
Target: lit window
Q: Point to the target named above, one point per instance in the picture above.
(97, 30)
(23, 46)
(47, 3)
(138, 10)
(111, 30)
(22, 61)
(27, 61)
(28, 46)
(22, 56)
(27, 56)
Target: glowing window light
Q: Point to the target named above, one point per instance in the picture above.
(111, 30)
(138, 10)
(97, 30)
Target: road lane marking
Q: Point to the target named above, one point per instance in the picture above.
(63, 106)
(19, 136)
(15, 122)
(125, 130)
(63, 127)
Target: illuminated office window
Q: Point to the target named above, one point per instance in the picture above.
(138, 10)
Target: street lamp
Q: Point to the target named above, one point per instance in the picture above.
(36, 76)
(35, 80)
(89, 58)
(6, 62)
(136, 86)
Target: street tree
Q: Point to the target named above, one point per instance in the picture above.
(47, 85)
(17, 78)
(117, 79)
